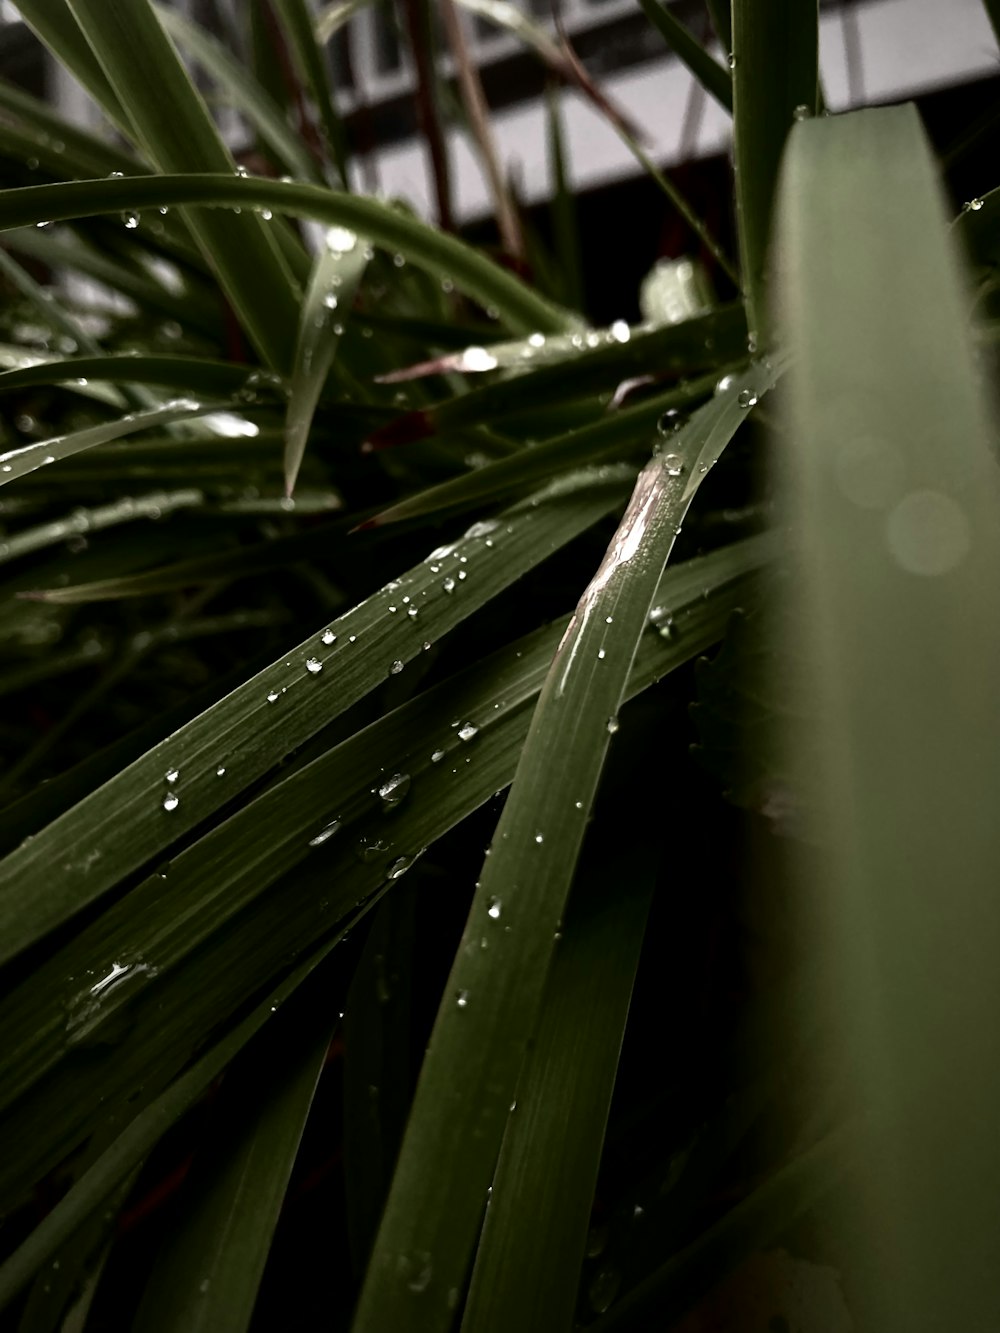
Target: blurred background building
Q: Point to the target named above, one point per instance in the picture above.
(941, 52)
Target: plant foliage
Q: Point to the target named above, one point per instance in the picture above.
(357, 884)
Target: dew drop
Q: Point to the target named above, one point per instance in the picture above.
(612, 725)
(974, 205)
(467, 731)
(483, 529)
(494, 909)
(477, 358)
(396, 667)
(400, 866)
(674, 464)
(539, 837)
(394, 789)
(416, 1269)
(89, 1010)
(220, 772)
(620, 331)
(604, 1288)
(747, 398)
(328, 636)
(725, 383)
(314, 666)
(131, 220)
(462, 999)
(437, 756)
(802, 112)
(171, 775)
(272, 696)
(325, 834)
(448, 585)
(340, 239)
(171, 801)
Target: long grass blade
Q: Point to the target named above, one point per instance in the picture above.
(614, 435)
(55, 143)
(189, 301)
(208, 1269)
(491, 1000)
(140, 812)
(775, 79)
(442, 255)
(892, 488)
(55, 23)
(243, 91)
(17, 463)
(565, 225)
(527, 1273)
(198, 375)
(142, 1134)
(377, 1077)
(217, 936)
(297, 23)
(705, 68)
(336, 276)
(177, 132)
(754, 1224)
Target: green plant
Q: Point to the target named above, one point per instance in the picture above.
(288, 606)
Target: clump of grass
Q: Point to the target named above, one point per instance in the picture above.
(364, 918)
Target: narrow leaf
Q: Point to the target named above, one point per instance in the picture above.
(177, 132)
(243, 91)
(441, 254)
(705, 68)
(208, 1268)
(611, 435)
(297, 23)
(528, 1262)
(578, 365)
(892, 490)
(214, 932)
(19, 462)
(775, 79)
(135, 815)
(491, 1000)
(336, 275)
(148, 1127)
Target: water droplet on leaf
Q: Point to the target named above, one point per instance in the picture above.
(325, 834)
(394, 789)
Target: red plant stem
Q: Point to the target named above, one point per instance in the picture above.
(418, 29)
